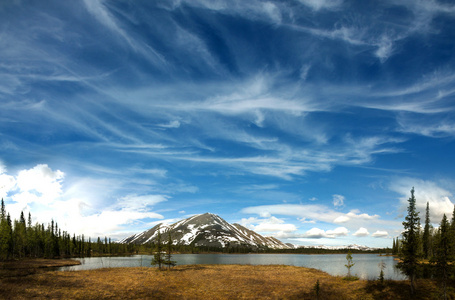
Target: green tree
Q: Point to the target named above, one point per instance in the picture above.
(410, 243)
(168, 257)
(3, 211)
(19, 237)
(426, 239)
(443, 256)
(5, 239)
(350, 264)
(452, 230)
(158, 258)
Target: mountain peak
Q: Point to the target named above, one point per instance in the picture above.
(208, 230)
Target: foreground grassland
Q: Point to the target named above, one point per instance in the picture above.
(27, 267)
(204, 282)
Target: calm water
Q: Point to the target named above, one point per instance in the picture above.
(366, 265)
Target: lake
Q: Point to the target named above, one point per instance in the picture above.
(366, 265)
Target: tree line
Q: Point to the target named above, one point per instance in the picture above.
(428, 249)
(21, 239)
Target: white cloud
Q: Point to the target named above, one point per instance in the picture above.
(7, 183)
(380, 234)
(339, 231)
(305, 221)
(315, 212)
(385, 48)
(42, 180)
(263, 10)
(172, 124)
(355, 214)
(273, 227)
(338, 200)
(269, 225)
(425, 191)
(304, 70)
(2, 167)
(317, 233)
(108, 222)
(101, 12)
(341, 219)
(265, 214)
(431, 128)
(139, 203)
(78, 208)
(286, 162)
(322, 4)
(361, 232)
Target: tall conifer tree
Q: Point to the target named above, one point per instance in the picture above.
(452, 229)
(410, 243)
(3, 211)
(426, 234)
(168, 261)
(158, 256)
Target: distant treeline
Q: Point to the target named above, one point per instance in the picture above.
(311, 250)
(246, 248)
(20, 239)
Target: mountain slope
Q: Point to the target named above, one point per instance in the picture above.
(207, 230)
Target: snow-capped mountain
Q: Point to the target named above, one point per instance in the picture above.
(207, 230)
(351, 247)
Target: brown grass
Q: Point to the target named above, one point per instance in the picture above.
(26, 267)
(205, 282)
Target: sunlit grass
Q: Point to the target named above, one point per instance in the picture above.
(205, 282)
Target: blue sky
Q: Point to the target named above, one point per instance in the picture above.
(307, 120)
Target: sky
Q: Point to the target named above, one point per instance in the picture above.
(306, 120)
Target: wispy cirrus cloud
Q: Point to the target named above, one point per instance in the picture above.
(322, 4)
(99, 9)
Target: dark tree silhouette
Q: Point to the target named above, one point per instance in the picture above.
(426, 239)
(158, 258)
(443, 256)
(410, 243)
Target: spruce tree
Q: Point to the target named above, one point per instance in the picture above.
(158, 256)
(3, 211)
(426, 234)
(452, 230)
(5, 239)
(168, 259)
(410, 243)
(443, 256)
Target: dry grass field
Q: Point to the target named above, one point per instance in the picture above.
(204, 282)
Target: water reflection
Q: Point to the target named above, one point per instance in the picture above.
(366, 265)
